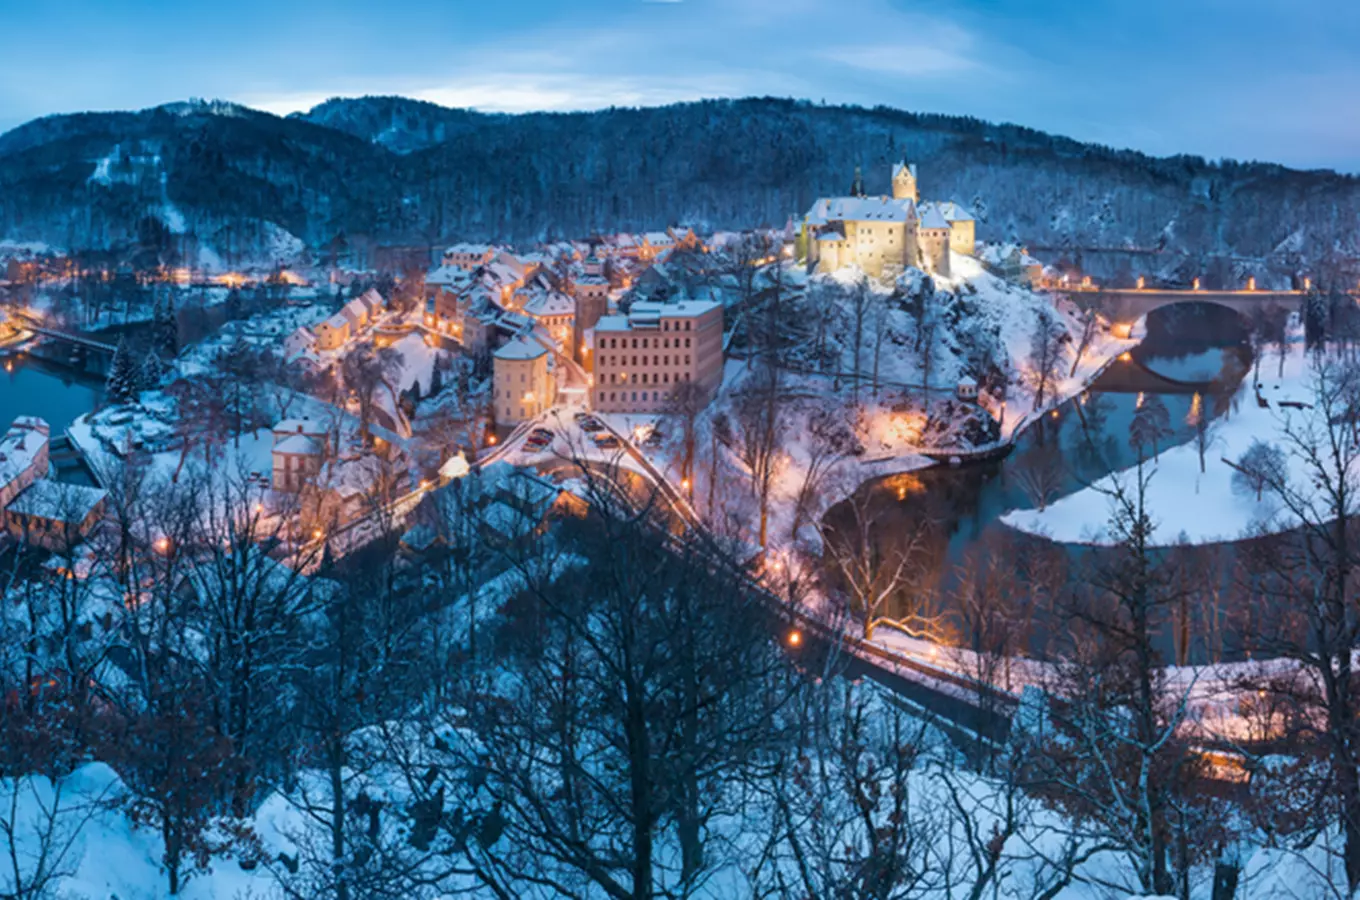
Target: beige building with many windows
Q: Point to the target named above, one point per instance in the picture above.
(522, 381)
(641, 357)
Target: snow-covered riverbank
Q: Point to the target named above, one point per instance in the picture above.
(1188, 504)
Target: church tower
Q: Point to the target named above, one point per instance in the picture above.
(904, 182)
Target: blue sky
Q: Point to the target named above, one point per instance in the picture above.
(1249, 79)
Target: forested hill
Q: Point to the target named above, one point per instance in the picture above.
(398, 170)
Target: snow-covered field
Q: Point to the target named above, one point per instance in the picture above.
(1185, 503)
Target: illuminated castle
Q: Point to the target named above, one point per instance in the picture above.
(884, 235)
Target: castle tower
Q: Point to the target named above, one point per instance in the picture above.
(904, 182)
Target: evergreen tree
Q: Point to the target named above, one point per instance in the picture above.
(152, 368)
(436, 378)
(124, 376)
(233, 304)
(165, 330)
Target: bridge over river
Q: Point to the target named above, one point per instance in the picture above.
(1125, 306)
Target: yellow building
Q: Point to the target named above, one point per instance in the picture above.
(962, 234)
(522, 382)
(878, 234)
(884, 235)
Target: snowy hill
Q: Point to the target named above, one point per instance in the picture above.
(398, 171)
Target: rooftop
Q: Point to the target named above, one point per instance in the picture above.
(520, 348)
(861, 209)
(57, 501)
(20, 446)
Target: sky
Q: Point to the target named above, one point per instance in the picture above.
(1246, 79)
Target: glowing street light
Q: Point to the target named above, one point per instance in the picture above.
(795, 638)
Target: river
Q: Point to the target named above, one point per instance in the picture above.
(33, 387)
(946, 520)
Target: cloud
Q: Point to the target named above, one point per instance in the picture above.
(911, 61)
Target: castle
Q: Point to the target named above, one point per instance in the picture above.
(884, 235)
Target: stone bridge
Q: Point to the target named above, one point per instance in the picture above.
(1125, 306)
(1130, 376)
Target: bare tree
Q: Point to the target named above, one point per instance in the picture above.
(638, 688)
(1260, 467)
(1045, 355)
(867, 573)
(1042, 474)
(762, 430)
(1306, 581)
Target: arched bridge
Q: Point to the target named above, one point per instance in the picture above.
(1125, 306)
(1131, 376)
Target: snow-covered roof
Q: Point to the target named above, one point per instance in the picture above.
(302, 425)
(302, 444)
(57, 501)
(468, 248)
(861, 209)
(520, 348)
(646, 314)
(337, 321)
(550, 303)
(658, 238)
(898, 167)
(20, 446)
(953, 212)
(612, 323)
(680, 309)
(933, 218)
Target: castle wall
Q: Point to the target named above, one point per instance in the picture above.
(935, 249)
(961, 237)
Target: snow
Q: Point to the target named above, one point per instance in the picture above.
(520, 349)
(57, 501)
(1185, 504)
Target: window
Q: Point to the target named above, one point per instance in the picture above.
(634, 396)
(644, 343)
(689, 326)
(686, 344)
(666, 378)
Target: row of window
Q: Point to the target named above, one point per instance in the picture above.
(662, 378)
(664, 360)
(613, 343)
(616, 396)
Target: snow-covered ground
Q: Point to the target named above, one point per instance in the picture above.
(1185, 503)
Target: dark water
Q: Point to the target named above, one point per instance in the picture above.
(947, 519)
(33, 387)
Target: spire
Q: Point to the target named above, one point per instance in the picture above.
(857, 188)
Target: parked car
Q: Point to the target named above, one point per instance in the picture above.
(589, 424)
(606, 442)
(541, 433)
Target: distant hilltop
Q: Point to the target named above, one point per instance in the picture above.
(401, 171)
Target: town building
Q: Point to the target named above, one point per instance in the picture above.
(23, 456)
(333, 332)
(300, 448)
(885, 234)
(467, 256)
(54, 515)
(554, 312)
(38, 511)
(522, 381)
(592, 303)
(641, 357)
